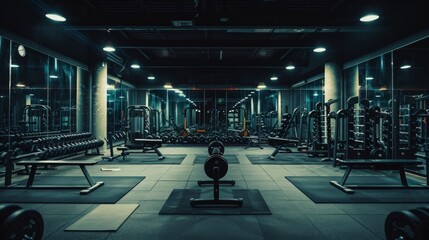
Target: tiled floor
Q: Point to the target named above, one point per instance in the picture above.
(294, 216)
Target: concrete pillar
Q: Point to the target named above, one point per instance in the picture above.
(99, 96)
(333, 80)
(83, 91)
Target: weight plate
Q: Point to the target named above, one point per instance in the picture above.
(216, 144)
(377, 153)
(7, 210)
(423, 215)
(216, 161)
(23, 224)
(403, 225)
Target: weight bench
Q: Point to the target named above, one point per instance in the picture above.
(379, 164)
(34, 164)
(279, 143)
(143, 144)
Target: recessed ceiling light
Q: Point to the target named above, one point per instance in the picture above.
(21, 85)
(369, 18)
(135, 66)
(262, 85)
(274, 78)
(53, 76)
(406, 66)
(319, 49)
(109, 48)
(151, 78)
(290, 67)
(315, 94)
(56, 17)
(369, 78)
(168, 85)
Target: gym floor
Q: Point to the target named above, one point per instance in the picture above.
(294, 216)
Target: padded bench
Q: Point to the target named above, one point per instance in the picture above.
(82, 164)
(376, 164)
(279, 143)
(143, 144)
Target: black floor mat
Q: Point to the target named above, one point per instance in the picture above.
(114, 188)
(178, 202)
(285, 158)
(320, 190)
(232, 159)
(146, 158)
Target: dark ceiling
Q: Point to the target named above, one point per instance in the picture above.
(202, 43)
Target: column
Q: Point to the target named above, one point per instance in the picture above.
(99, 104)
(83, 91)
(333, 79)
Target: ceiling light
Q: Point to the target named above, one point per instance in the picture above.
(274, 78)
(319, 49)
(20, 85)
(167, 85)
(290, 67)
(14, 65)
(369, 78)
(262, 85)
(151, 77)
(121, 97)
(31, 94)
(315, 94)
(56, 17)
(109, 48)
(135, 66)
(53, 76)
(378, 96)
(406, 66)
(369, 18)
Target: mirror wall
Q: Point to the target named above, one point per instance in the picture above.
(37, 92)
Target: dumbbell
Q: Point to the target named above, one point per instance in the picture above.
(407, 224)
(18, 223)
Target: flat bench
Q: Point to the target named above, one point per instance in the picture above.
(34, 164)
(376, 164)
(279, 143)
(143, 144)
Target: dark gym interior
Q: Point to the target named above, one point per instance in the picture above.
(198, 119)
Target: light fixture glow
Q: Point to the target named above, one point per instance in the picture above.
(14, 65)
(406, 66)
(319, 49)
(369, 78)
(109, 48)
(151, 78)
(274, 78)
(315, 94)
(121, 97)
(55, 17)
(378, 96)
(20, 85)
(168, 85)
(369, 18)
(262, 85)
(53, 76)
(290, 67)
(135, 66)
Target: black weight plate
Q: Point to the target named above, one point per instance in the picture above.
(423, 215)
(377, 153)
(216, 144)
(23, 224)
(6, 210)
(403, 225)
(216, 161)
